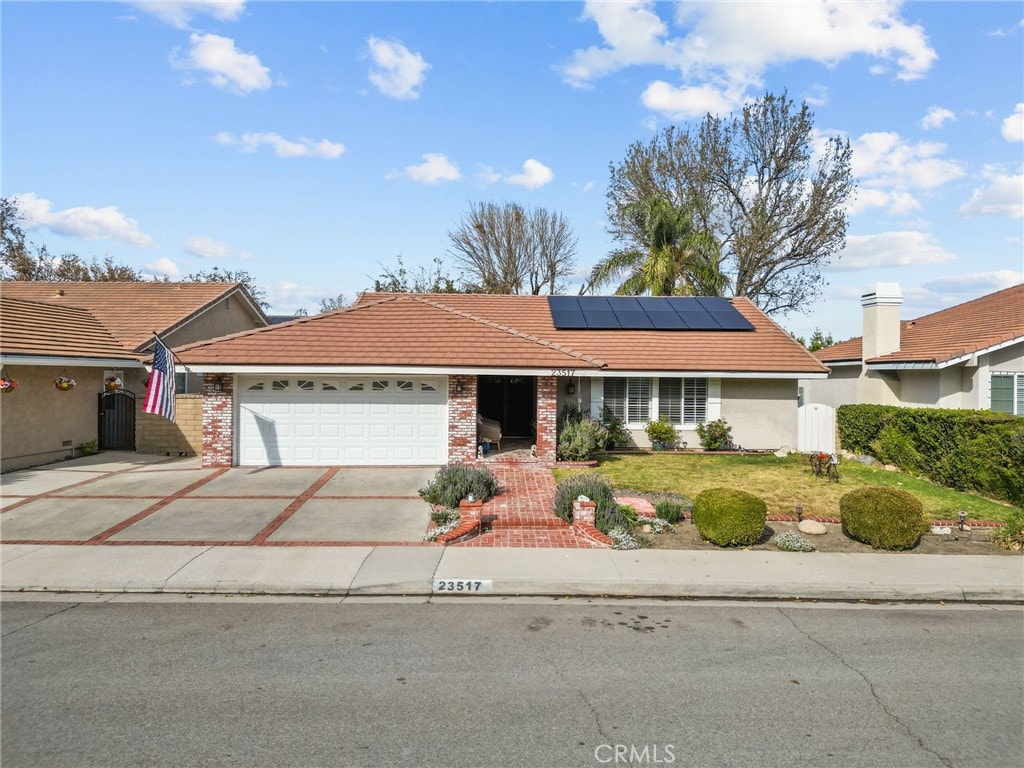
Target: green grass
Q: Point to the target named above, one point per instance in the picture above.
(782, 483)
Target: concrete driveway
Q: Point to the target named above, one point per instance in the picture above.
(116, 498)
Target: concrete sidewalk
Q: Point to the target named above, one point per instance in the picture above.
(426, 571)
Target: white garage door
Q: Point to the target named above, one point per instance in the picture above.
(323, 421)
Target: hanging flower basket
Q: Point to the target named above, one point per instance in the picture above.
(64, 383)
(8, 385)
(111, 383)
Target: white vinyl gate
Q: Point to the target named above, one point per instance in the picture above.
(816, 428)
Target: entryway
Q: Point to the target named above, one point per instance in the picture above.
(512, 402)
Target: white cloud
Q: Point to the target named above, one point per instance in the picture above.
(179, 14)
(86, 222)
(286, 297)
(1013, 126)
(163, 267)
(302, 147)
(730, 45)
(889, 169)
(817, 95)
(535, 175)
(398, 72)
(976, 283)
(1004, 195)
(434, 168)
(890, 249)
(689, 101)
(208, 248)
(225, 65)
(584, 187)
(936, 117)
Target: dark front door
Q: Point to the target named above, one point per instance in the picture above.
(511, 401)
(117, 421)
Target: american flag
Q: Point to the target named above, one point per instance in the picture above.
(160, 391)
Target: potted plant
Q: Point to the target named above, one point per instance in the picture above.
(111, 383)
(662, 435)
(8, 385)
(64, 383)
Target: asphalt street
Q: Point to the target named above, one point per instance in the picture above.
(255, 682)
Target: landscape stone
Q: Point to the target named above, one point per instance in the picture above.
(812, 528)
(891, 468)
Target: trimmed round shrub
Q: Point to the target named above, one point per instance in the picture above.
(728, 517)
(884, 518)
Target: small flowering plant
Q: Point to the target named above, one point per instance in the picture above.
(64, 383)
(8, 385)
(112, 383)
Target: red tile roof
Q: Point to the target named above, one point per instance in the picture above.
(949, 333)
(498, 331)
(130, 311)
(39, 329)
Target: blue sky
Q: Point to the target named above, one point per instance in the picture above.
(307, 143)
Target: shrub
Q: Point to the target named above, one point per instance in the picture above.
(661, 433)
(980, 451)
(715, 435)
(791, 541)
(569, 414)
(618, 436)
(626, 539)
(580, 440)
(443, 516)
(728, 517)
(455, 482)
(669, 511)
(885, 518)
(595, 488)
(1011, 534)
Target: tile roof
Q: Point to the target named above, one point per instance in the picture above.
(40, 329)
(499, 331)
(130, 311)
(948, 334)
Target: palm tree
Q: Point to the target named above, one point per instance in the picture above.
(679, 259)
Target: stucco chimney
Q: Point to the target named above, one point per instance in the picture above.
(881, 319)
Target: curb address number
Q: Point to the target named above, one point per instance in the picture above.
(463, 585)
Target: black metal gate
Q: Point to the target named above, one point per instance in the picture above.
(117, 420)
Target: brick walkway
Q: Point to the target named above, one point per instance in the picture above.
(521, 514)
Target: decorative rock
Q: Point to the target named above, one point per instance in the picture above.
(812, 528)
(782, 453)
(941, 530)
(891, 468)
(646, 529)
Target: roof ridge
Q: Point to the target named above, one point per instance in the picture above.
(511, 331)
(286, 324)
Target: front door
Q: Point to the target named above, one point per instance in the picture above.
(117, 420)
(511, 401)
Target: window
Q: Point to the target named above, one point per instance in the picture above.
(306, 385)
(404, 385)
(279, 385)
(380, 386)
(257, 387)
(1008, 393)
(326, 386)
(427, 387)
(355, 386)
(679, 401)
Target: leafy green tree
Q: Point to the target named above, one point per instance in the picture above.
(771, 194)
(432, 279)
(677, 259)
(218, 275)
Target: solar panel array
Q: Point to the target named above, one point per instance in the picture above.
(655, 313)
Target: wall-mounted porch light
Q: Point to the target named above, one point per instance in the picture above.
(458, 387)
(571, 389)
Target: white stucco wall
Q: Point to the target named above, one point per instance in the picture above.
(762, 413)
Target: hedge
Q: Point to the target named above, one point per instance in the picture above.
(981, 451)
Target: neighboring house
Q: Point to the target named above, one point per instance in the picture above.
(403, 378)
(98, 331)
(967, 356)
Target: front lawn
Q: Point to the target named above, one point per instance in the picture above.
(782, 483)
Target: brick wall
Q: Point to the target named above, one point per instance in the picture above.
(155, 434)
(462, 419)
(547, 418)
(218, 420)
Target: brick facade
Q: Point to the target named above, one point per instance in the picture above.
(155, 434)
(462, 418)
(547, 419)
(218, 420)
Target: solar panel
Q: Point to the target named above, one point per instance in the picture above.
(663, 313)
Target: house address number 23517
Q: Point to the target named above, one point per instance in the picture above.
(563, 371)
